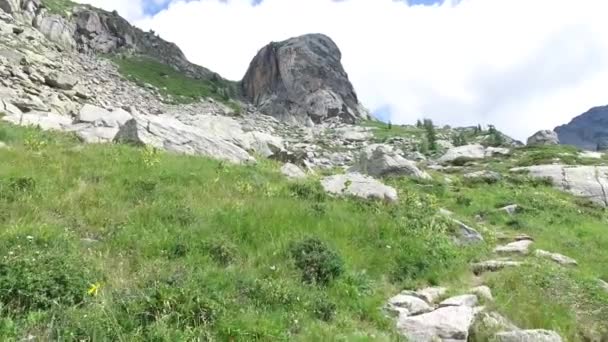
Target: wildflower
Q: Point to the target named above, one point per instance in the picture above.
(94, 289)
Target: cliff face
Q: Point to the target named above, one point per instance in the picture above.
(587, 131)
(89, 29)
(302, 80)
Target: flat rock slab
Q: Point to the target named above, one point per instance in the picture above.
(358, 185)
(292, 171)
(429, 294)
(483, 292)
(528, 336)
(469, 300)
(517, 247)
(494, 265)
(408, 305)
(449, 323)
(558, 258)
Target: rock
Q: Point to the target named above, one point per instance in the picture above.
(528, 336)
(408, 305)
(542, 138)
(471, 152)
(469, 300)
(381, 160)
(170, 134)
(30, 103)
(466, 234)
(489, 177)
(517, 247)
(262, 143)
(511, 209)
(449, 323)
(558, 258)
(60, 81)
(489, 323)
(302, 79)
(483, 292)
(603, 285)
(590, 182)
(95, 134)
(101, 117)
(3, 145)
(429, 294)
(44, 120)
(356, 184)
(591, 155)
(587, 131)
(292, 171)
(493, 265)
(354, 133)
(8, 108)
(57, 29)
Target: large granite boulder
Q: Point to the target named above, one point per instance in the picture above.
(590, 182)
(381, 160)
(358, 185)
(542, 138)
(302, 79)
(528, 336)
(450, 323)
(471, 152)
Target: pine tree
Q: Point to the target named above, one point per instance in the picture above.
(431, 134)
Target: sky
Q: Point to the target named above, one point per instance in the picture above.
(522, 65)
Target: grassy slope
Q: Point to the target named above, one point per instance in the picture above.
(170, 82)
(190, 248)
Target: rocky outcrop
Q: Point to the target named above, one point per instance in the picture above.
(381, 160)
(542, 138)
(471, 152)
(587, 131)
(590, 182)
(302, 80)
(358, 185)
(528, 336)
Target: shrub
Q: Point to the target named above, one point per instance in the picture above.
(221, 252)
(324, 310)
(30, 281)
(317, 262)
(308, 190)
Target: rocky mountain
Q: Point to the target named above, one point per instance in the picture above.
(302, 80)
(587, 131)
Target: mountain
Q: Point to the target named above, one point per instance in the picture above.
(144, 198)
(587, 131)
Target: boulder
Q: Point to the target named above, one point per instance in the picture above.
(8, 108)
(487, 324)
(358, 185)
(44, 120)
(101, 117)
(354, 133)
(60, 81)
(56, 29)
(528, 336)
(517, 247)
(408, 305)
(483, 292)
(469, 300)
(466, 235)
(168, 133)
(429, 294)
(302, 79)
(381, 160)
(450, 323)
(485, 176)
(542, 138)
(292, 171)
(511, 209)
(471, 152)
(590, 182)
(556, 257)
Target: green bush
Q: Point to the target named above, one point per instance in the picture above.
(31, 280)
(221, 252)
(309, 190)
(317, 262)
(324, 310)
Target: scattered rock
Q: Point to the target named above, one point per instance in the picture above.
(528, 336)
(517, 247)
(471, 152)
(356, 184)
(483, 292)
(466, 234)
(430, 294)
(292, 171)
(381, 160)
(542, 138)
(489, 177)
(558, 258)
(469, 300)
(60, 81)
(449, 323)
(408, 305)
(494, 265)
(511, 209)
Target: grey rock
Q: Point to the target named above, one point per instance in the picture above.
(44, 120)
(511, 209)
(517, 247)
(429, 294)
(466, 234)
(354, 133)
(408, 305)
(488, 323)
(471, 152)
(8, 108)
(168, 133)
(356, 184)
(590, 182)
(292, 171)
(60, 81)
(528, 336)
(542, 138)
(484, 176)
(556, 257)
(57, 29)
(302, 79)
(381, 160)
(103, 118)
(469, 300)
(449, 323)
(494, 265)
(483, 292)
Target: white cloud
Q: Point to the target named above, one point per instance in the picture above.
(520, 64)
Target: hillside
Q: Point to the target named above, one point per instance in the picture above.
(144, 198)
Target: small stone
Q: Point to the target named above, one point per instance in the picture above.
(558, 258)
(528, 336)
(469, 300)
(494, 265)
(408, 305)
(483, 292)
(511, 209)
(517, 247)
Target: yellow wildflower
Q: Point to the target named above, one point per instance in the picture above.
(94, 289)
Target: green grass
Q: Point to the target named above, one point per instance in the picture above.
(382, 132)
(187, 248)
(173, 83)
(61, 7)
